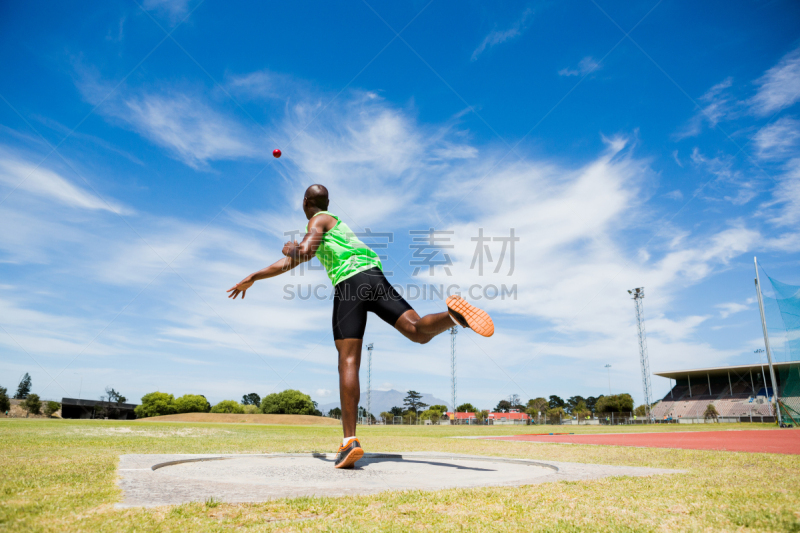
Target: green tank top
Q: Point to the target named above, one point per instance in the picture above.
(342, 254)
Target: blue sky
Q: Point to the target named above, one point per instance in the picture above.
(654, 144)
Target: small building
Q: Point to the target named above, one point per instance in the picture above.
(76, 408)
(462, 418)
(513, 416)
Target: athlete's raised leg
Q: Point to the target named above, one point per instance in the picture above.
(423, 329)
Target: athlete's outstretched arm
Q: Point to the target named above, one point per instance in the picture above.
(275, 269)
(295, 254)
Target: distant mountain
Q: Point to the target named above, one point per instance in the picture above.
(383, 400)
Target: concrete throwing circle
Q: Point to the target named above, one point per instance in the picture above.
(149, 480)
(374, 471)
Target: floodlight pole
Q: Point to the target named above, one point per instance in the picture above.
(644, 360)
(453, 388)
(609, 379)
(766, 345)
(369, 382)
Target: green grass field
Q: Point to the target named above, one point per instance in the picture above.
(60, 475)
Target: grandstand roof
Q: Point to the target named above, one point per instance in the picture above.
(675, 374)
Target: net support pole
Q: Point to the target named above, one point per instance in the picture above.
(766, 344)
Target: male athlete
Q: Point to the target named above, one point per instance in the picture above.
(359, 286)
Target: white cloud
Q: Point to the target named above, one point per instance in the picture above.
(727, 309)
(496, 37)
(779, 139)
(184, 122)
(726, 176)
(42, 182)
(674, 330)
(674, 195)
(173, 9)
(715, 105)
(585, 66)
(779, 87)
(189, 128)
(323, 393)
(376, 161)
(266, 84)
(787, 196)
(777, 90)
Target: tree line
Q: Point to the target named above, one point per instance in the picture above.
(553, 407)
(575, 406)
(31, 402)
(288, 402)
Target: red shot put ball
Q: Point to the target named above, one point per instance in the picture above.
(276, 153)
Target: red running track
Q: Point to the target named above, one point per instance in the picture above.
(786, 441)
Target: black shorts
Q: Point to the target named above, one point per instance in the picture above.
(366, 291)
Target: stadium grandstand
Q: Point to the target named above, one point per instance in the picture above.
(743, 392)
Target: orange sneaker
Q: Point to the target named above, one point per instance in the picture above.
(470, 316)
(348, 455)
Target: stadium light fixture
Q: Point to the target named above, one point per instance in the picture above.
(644, 360)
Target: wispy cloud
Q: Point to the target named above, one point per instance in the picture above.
(717, 104)
(729, 182)
(787, 197)
(267, 84)
(585, 66)
(193, 131)
(173, 9)
(183, 121)
(729, 308)
(779, 87)
(43, 182)
(779, 139)
(496, 37)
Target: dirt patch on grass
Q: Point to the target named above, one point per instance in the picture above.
(221, 418)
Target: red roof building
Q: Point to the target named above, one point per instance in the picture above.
(461, 416)
(513, 414)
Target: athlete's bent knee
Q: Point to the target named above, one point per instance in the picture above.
(421, 338)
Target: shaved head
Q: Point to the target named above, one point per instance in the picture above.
(317, 196)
